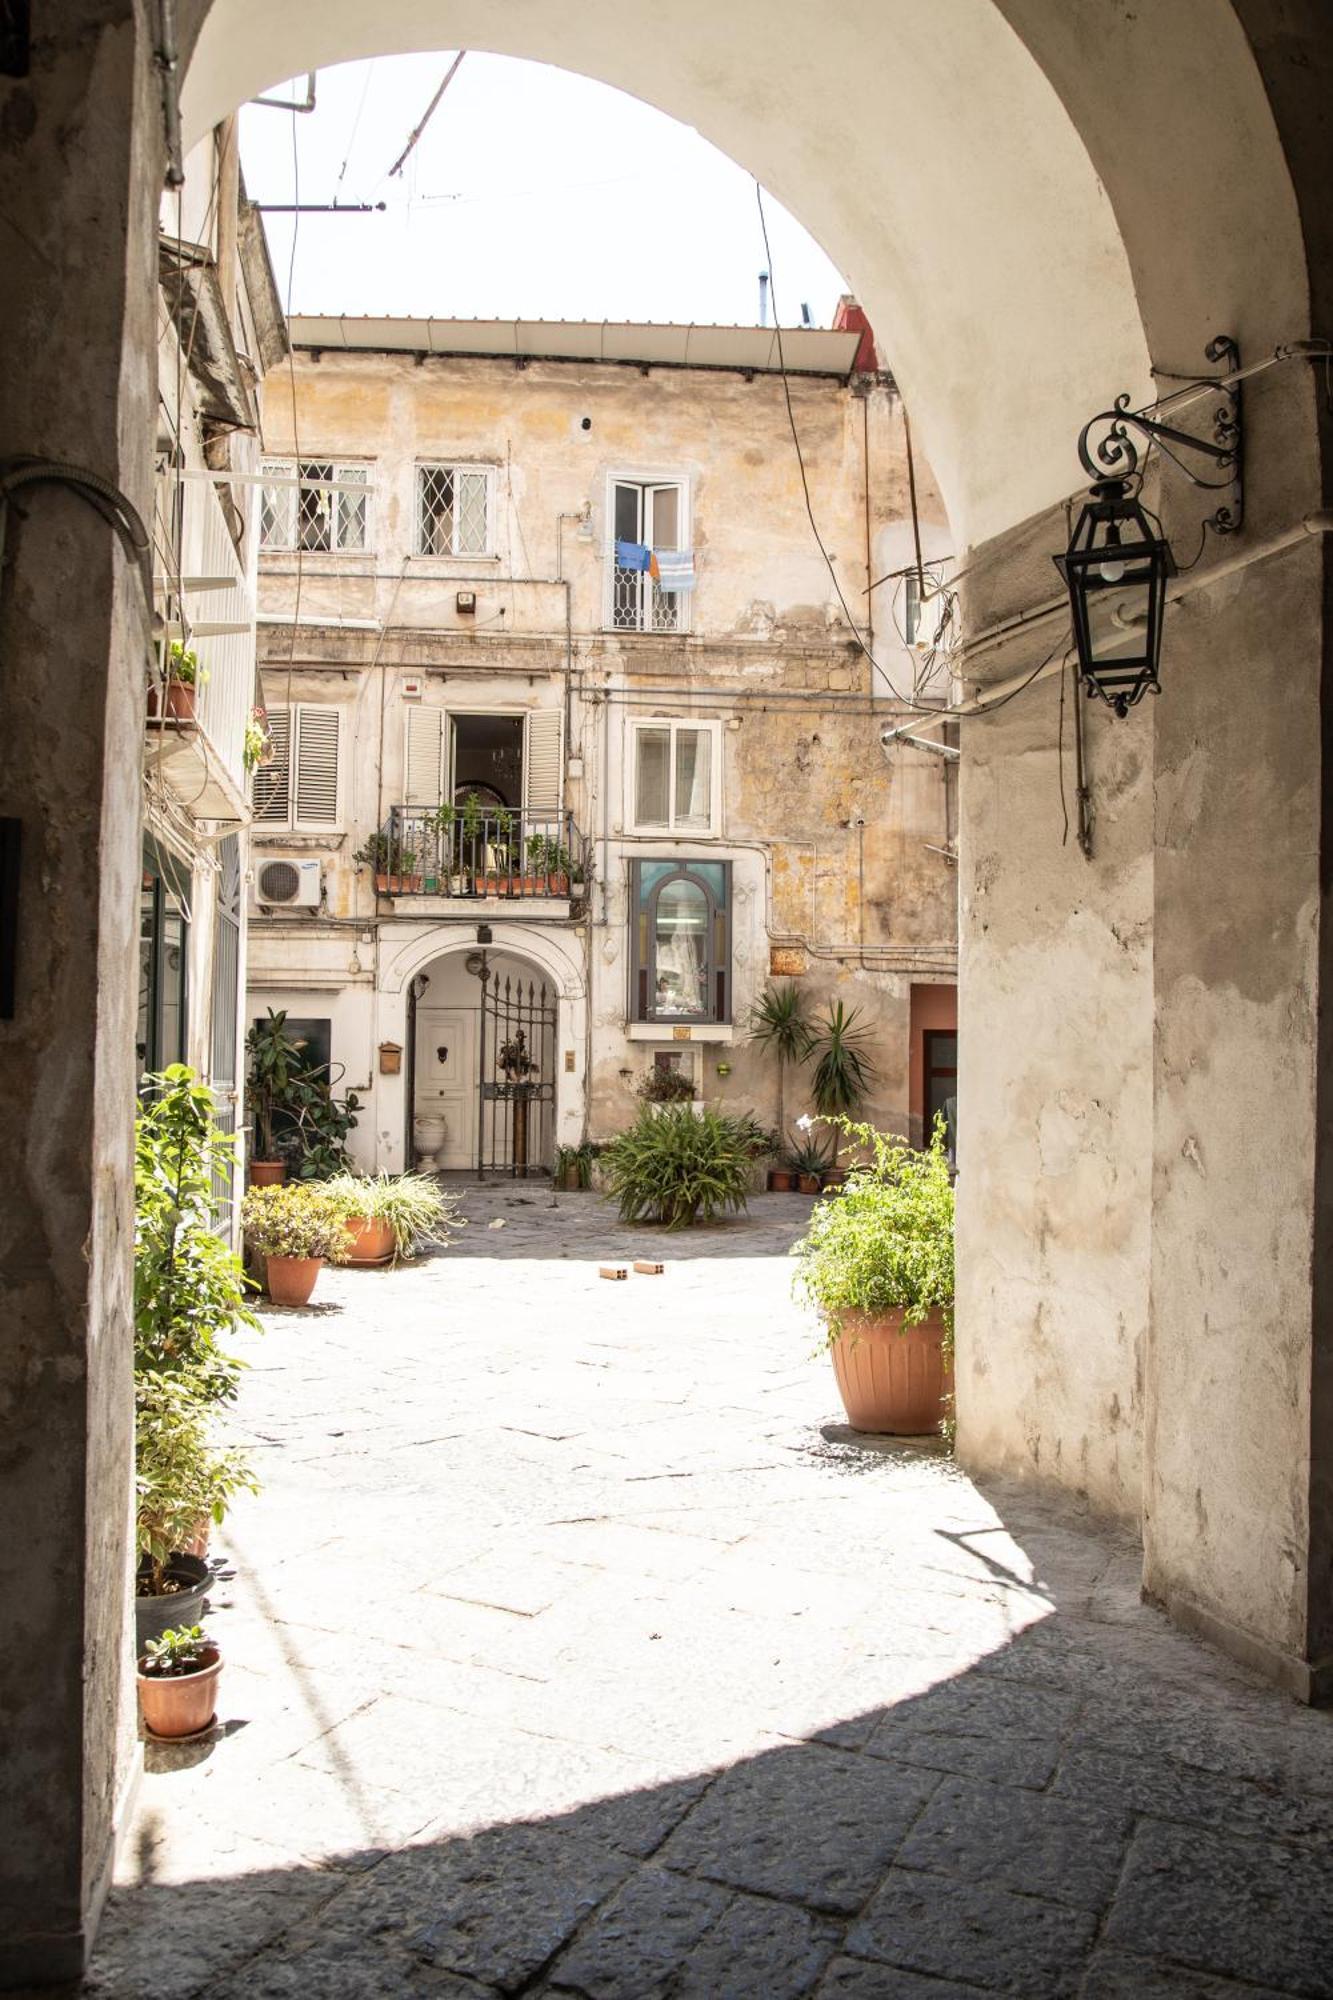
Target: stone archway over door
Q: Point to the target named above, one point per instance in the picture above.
(1027, 198)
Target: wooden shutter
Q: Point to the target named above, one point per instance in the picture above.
(423, 757)
(541, 764)
(316, 767)
(270, 787)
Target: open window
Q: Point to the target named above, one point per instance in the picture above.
(649, 515)
(680, 955)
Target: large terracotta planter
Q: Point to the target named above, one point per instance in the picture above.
(180, 1704)
(892, 1378)
(178, 701)
(267, 1173)
(291, 1280)
(368, 1242)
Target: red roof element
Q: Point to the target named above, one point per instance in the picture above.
(850, 318)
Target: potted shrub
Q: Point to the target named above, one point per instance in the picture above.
(385, 1216)
(666, 1086)
(678, 1168)
(547, 869)
(295, 1228)
(878, 1265)
(178, 1683)
(778, 1022)
(292, 1108)
(183, 676)
(189, 1293)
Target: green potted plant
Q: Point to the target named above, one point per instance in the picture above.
(437, 856)
(778, 1022)
(189, 1295)
(395, 862)
(275, 1059)
(295, 1228)
(297, 1119)
(843, 1066)
(183, 677)
(878, 1266)
(807, 1161)
(548, 867)
(677, 1168)
(256, 748)
(386, 1216)
(178, 1680)
(666, 1086)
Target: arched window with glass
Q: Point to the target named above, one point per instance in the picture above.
(680, 968)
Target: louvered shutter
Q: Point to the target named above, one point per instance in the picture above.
(541, 765)
(316, 767)
(423, 757)
(270, 786)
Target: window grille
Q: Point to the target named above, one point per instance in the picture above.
(653, 515)
(315, 513)
(452, 511)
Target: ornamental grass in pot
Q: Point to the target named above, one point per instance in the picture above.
(295, 1228)
(678, 1168)
(178, 1680)
(878, 1266)
(388, 1216)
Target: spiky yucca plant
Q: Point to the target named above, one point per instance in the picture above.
(844, 1068)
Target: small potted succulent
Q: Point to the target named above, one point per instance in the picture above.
(808, 1162)
(878, 1266)
(385, 1216)
(295, 1228)
(178, 1683)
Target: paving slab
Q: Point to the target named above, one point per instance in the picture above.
(576, 1646)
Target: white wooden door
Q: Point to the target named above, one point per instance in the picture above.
(446, 1079)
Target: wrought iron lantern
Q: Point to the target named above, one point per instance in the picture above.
(1118, 558)
(1114, 558)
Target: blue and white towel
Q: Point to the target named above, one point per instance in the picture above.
(675, 568)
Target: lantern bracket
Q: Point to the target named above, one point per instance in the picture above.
(1107, 450)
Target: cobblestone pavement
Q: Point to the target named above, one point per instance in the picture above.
(574, 1648)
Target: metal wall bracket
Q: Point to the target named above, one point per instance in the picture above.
(1115, 454)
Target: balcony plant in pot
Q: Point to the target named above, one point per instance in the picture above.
(183, 677)
(878, 1266)
(178, 1680)
(779, 1023)
(389, 1216)
(296, 1228)
(395, 862)
(547, 867)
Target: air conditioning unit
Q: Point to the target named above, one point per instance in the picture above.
(288, 885)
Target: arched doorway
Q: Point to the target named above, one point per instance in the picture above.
(483, 1028)
(1148, 1312)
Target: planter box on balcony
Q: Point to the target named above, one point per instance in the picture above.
(398, 885)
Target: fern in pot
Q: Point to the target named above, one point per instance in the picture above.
(678, 1168)
(877, 1264)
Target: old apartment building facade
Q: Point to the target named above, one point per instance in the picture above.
(575, 748)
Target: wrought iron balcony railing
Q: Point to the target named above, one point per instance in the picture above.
(451, 851)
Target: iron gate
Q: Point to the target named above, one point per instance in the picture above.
(517, 1067)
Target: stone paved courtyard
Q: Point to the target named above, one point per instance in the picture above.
(573, 1647)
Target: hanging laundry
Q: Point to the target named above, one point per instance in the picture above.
(632, 555)
(675, 568)
(653, 570)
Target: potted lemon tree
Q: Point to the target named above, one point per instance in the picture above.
(877, 1264)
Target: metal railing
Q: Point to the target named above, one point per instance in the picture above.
(451, 851)
(212, 607)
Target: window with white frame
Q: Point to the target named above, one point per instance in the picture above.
(453, 510)
(299, 791)
(648, 516)
(315, 506)
(674, 776)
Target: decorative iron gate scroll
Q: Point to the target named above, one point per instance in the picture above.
(517, 1066)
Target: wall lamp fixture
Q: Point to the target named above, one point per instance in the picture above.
(1118, 556)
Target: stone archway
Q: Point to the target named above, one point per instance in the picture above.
(1033, 205)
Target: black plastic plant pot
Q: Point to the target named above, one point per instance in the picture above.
(156, 1614)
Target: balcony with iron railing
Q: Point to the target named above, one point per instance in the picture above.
(196, 728)
(456, 851)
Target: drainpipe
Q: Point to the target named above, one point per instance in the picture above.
(167, 57)
(865, 481)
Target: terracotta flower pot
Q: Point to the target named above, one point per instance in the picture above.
(779, 1180)
(267, 1173)
(177, 701)
(180, 1704)
(291, 1280)
(808, 1183)
(892, 1378)
(369, 1242)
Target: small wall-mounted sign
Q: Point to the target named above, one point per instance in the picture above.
(391, 1058)
(412, 688)
(680, 1034)
(786, 961)
(569, 1059)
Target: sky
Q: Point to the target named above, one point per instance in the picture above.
(533, 193)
